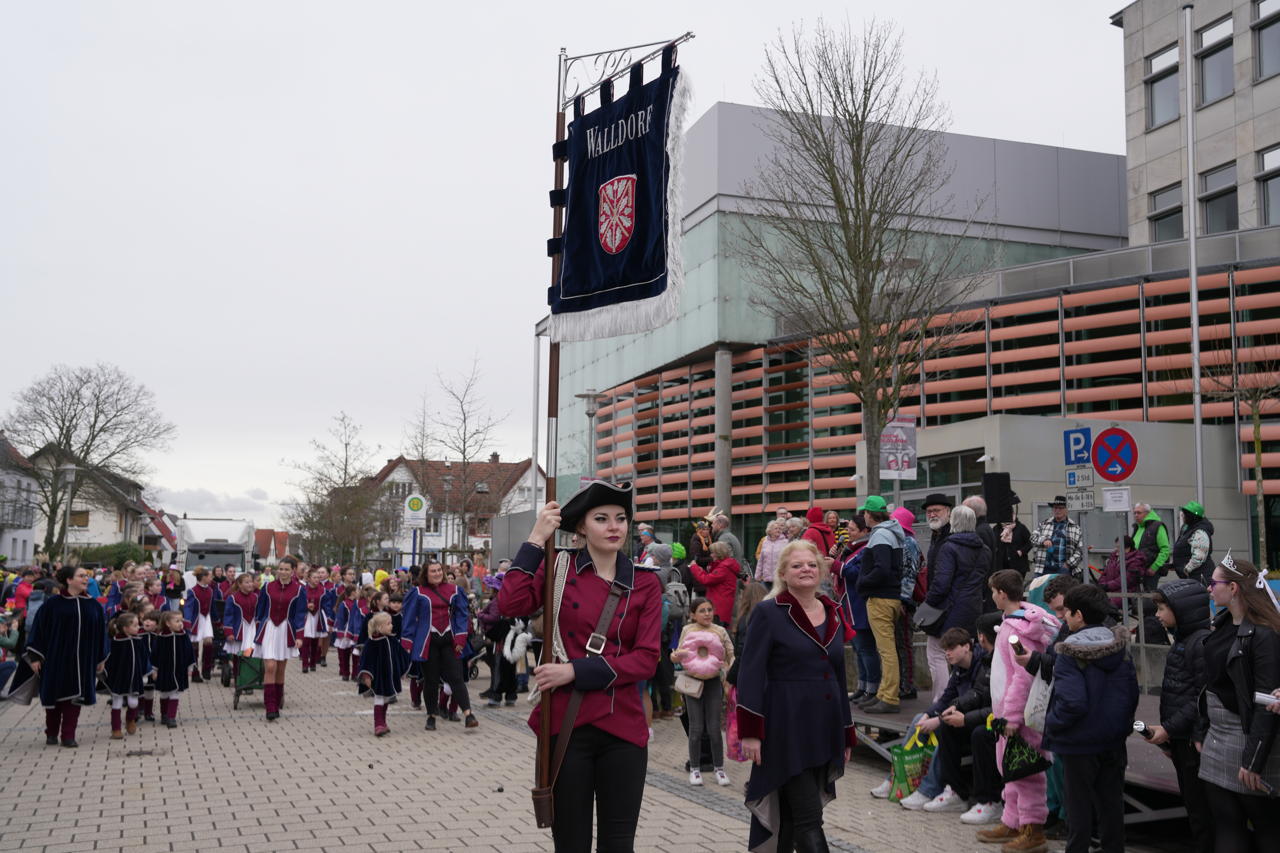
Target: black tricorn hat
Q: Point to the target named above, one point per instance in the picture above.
(1059, 500)
(937, 499)
(594, 494)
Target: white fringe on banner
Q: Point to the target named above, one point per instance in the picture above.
(643, 315)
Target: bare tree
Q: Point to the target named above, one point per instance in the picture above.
(98, 418)
(339, 513)
(852, 243)
(1252, 393)
(464, 430)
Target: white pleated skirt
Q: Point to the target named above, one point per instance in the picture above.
(275, 643)
(203, 630)
(311, 628)
(246, 631)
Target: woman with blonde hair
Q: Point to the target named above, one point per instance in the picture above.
(793, 714)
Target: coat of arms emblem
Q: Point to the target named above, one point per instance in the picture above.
(617, 213)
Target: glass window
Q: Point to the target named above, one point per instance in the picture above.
(1268, 38)
(971, 470)
(1162, 87)
(1217, 73)
(1167, 197)
(1269, 185)
(1220, 209)
(1166, 214)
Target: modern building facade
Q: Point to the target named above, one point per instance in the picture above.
(1085, 321)
(1233, 65)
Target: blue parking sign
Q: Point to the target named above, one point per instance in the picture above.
(1075, 445)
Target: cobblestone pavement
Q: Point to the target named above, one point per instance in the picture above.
(318, 780)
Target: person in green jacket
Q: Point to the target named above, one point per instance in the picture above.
(1152, 539)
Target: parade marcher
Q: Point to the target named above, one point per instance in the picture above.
(197, 618)
(128, 665)
(1192, 554)
(606, 641)
(435, 623)
(352, 610)
(154, 592)
(115, 592)
(238, 626)
(66, 647)
(282, 610)
(793, 712)
(329, 607)
(316, 625)
(173, 658)
(706, 711)
(150, 625)
(382, 666)
(1239, 762)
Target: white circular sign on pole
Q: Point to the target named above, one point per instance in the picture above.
(415, 511)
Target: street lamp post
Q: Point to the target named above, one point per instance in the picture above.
(592, 398)
(67, 472)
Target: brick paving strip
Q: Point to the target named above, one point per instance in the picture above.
(318, 780)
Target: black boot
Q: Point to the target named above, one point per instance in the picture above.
(811, 841)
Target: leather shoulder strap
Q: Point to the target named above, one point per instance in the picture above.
(575, 700)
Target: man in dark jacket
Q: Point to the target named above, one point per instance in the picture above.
(962, 707)
(1182, 606)
(880, 583)
(937, 512)
(1090, 717)
(1192, 554)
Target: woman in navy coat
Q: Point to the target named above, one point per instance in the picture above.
(793, 710)
(67, 648)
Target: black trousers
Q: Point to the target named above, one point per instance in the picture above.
(506, 686)
(1230, 813)
(608, 772)
(1186, 763)
(661, 684)
(1094, 785)
(442, 662)
(800, 802)
(954, 743)
(986, 773)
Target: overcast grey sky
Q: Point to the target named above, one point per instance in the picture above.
(268, 212)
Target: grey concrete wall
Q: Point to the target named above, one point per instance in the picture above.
(1235, 128)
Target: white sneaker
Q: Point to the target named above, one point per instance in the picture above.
(721, 778)
(947, 801)
(695, 777)
(913, 801)
(881, 791)
(983, 813)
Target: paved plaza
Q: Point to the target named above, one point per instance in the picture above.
(318, 780)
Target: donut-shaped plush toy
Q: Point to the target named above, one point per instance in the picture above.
(708, 654)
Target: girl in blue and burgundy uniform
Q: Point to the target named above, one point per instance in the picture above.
(382, 665)
(238, 626)
(282, 610)
(173, 658)
(128, 666)
(329, 606)
(346, 625)
(316, 625)
(197, 617)
(607, 753)
(154, 591)
(434, 622)
(115, 592)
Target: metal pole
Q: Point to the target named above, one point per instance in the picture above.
(1192, 210)
(1235, 375)
(66, 530)
(537, 388)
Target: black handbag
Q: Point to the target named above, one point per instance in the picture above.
(927, 617)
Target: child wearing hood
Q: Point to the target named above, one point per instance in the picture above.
(1025, 809)
(1182, 606)
(1090, 716)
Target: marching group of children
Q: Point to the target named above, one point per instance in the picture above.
(143, 643)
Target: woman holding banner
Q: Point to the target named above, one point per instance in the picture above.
(607, 638)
